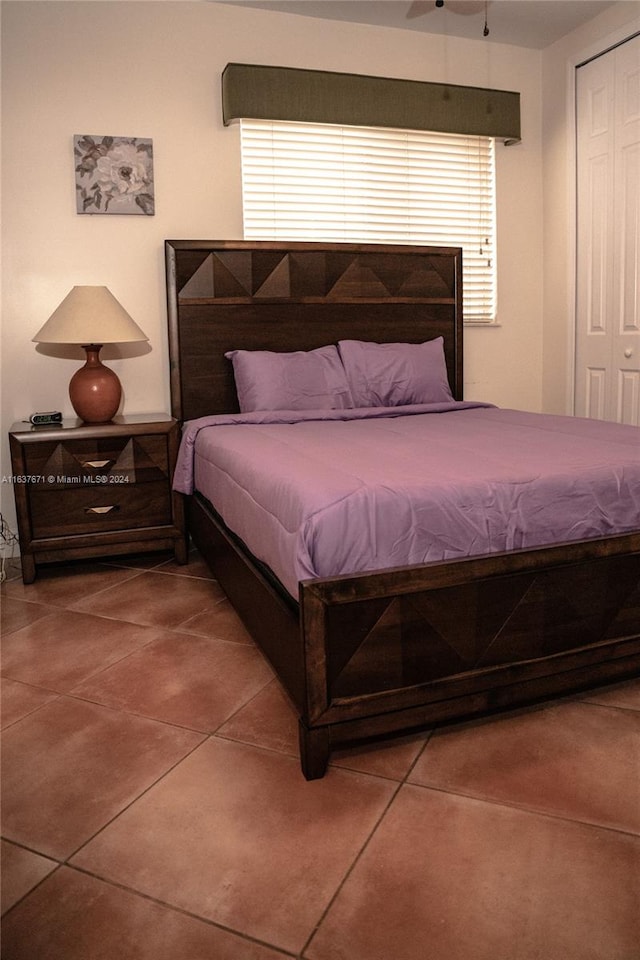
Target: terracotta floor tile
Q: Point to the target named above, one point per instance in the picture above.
(191, 681)
(572, 759)
(62, 584)
(481, 862)
(195, 567)
(17, 700)
(451, 878)
(387, 758)
(268, 720)
(70, 767)
(235, 834)
(72, 916)
(66, 647)
(21, 871)
(625, 695)
(220, 620)
(15, 614)
(155, 598)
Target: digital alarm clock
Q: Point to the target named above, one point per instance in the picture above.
(42, 419)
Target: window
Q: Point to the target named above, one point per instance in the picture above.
(375, 184)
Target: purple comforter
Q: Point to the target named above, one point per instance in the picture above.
(325, 493)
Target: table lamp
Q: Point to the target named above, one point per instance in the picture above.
(91, 317)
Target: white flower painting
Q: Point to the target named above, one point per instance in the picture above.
(114, 175)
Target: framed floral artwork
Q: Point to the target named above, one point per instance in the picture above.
(114, 175)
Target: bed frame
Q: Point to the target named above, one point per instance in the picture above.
(375, 654)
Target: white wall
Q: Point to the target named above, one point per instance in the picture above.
(152, 69)
(559, 63)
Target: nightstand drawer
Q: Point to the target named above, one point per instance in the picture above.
(99, 507)
(59, 464)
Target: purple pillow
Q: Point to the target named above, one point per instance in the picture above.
(395, 374)
(302, 380)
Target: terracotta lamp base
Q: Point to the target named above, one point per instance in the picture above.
(94, 389)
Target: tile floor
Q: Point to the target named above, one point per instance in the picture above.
(153, 806)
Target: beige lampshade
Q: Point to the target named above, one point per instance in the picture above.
(90, 315)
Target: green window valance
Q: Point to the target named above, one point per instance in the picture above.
(250, 91)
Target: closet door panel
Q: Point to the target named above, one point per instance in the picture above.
(608, 236)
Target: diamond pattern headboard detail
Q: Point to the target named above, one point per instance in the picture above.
(242, 274)
(225, 295)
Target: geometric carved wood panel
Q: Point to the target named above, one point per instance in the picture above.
(258, 275)
(417, 638)
(141, 459)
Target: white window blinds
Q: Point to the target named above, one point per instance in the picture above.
(377, 185)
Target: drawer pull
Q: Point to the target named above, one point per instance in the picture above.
(101, 510)
(97, 464)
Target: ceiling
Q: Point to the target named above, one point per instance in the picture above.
(524, 23)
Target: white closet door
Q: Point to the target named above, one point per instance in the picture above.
(608, 233)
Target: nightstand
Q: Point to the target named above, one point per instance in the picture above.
(101, 490)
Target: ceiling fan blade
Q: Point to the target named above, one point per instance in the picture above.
(418, 8)
(466, 8)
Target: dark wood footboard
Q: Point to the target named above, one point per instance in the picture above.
(380, 653)
(418, 646)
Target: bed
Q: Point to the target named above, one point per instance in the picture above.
(384, 647)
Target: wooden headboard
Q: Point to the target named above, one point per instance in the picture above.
(269, 295)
